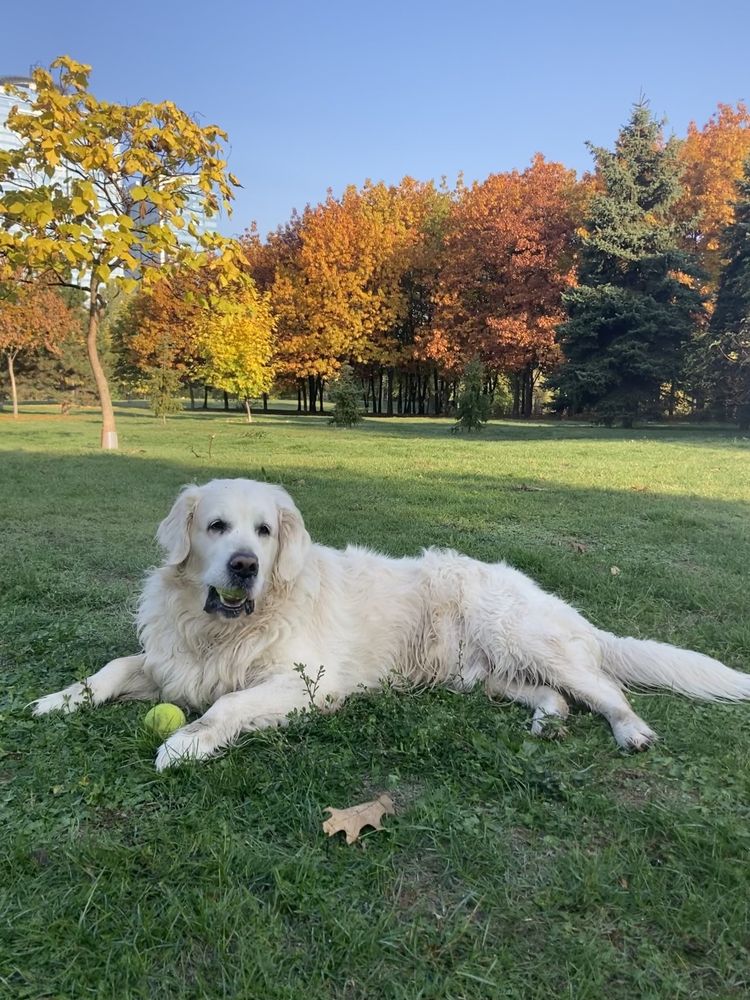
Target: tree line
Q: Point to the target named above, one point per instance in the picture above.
(621, 295)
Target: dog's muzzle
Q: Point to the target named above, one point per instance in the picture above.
(229, 603)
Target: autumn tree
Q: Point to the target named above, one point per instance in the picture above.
(325, 297)
(303, 355)
(712, 158)
(236, 343)
(95, 191)
(410, 276)
(161, 326)
(33, 318)
(508, 260)
(730, 323)
(636, 302)
(337, 275)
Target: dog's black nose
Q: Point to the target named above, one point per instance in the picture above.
(244, 564)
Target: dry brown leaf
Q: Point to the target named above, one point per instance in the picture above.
(614, 570)
(353, 820)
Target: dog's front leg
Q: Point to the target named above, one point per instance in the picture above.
(267, 704)
(120, 678)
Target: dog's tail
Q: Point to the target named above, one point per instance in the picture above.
(644, 663)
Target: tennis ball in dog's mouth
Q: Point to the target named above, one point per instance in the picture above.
(231, 594)
(164, 719)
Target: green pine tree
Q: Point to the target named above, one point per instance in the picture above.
(163, 387)
(474, 404)
(344, 394)
(636, 302)
(730, 324)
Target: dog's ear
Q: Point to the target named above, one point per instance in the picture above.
(173, 534)
(294, 541)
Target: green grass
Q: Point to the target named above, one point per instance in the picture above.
(514, 868)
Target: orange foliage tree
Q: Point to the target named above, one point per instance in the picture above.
(336, 274)
(508, 259)
(161, 326)
(713, 158)
(33, 318)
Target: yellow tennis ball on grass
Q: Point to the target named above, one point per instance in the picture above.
(164, 719)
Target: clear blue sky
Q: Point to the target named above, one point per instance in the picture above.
(322, 94)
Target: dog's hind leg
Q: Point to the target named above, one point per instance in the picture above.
(549, 705)
(572, 665)
(120, 678)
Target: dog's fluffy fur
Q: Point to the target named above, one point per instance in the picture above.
(439, 618)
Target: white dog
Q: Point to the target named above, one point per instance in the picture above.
(244, 596)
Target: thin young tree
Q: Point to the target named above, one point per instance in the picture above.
(93, 192)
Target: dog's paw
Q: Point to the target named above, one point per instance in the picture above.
(67, 700)
(549, 727)
(194, 742)
(549, 724)
(634, 735)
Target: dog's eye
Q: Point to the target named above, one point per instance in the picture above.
(263, 529)
(218, 526)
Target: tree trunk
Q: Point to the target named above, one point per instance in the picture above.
(528, 391)
(312, 390)
(248, 410)
(320, 393)
(265, 402)
(13, 390)
(422, 387)
(389, 393)
(226, 400)
(109, 429)
(205, 397)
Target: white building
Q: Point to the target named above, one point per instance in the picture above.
(8, 139)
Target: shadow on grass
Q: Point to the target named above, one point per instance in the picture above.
(681, 559)
(432, 428)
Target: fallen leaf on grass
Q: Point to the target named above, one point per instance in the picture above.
(614, 570)
(352, 820)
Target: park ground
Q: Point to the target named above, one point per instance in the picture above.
(513, 868)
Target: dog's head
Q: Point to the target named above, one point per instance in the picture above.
(238, 539)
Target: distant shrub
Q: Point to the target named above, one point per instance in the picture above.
(344, 394)
(473, 409)
(162, 387)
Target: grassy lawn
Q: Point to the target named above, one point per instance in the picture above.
(514, 868)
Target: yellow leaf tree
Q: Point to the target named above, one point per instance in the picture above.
(95, 191)
(236, 343)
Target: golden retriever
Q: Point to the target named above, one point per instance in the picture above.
(244, 596)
